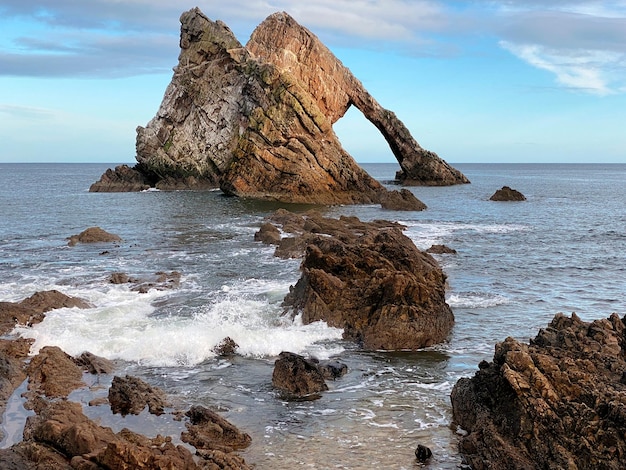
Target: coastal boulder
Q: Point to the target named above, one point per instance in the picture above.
(507, 194)
(93, 235)
(557, 402)
(206, 430)
(131, 395)
(297, 377)
(403, 200)
(122, 179)
(257, 120)
(370, 280)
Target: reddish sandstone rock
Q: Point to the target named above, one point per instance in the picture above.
(206, 430)
(93, 235)
(297, 377)
(131, 395)
(53, 373)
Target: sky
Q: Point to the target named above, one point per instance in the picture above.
(474, 81)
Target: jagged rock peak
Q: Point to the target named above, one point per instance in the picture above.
(256, 121)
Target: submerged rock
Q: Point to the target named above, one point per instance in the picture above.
(441, 250)
(93, 235)
(557, 402)
(257, 120)
(507, 194)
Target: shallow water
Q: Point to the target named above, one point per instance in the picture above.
(517, 265)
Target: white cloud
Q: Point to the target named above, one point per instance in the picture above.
(582, 70)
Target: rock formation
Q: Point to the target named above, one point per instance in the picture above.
(93, 235)
(256, 121)
(367, 278)
(403, 200)
(558, 402)
(297, 377)
(507, 194)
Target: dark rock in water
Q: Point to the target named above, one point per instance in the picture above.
(93, 235)
(94, 364)
(297, 377)
(226, 347)
(160, 281)
(130, 395)
(441, 250)
(423, 453)
(268, 234)
(371, 280)
(257, 121)
(31, 310)
(209, 431)
(122, 179)
(403, 200)
(557, 402)
(332, 370)
(507, 194)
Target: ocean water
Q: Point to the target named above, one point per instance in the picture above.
(518, 264)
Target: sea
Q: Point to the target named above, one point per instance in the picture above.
(517, 265)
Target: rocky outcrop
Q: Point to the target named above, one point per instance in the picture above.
(206, 430)
(367, 278)
(441, 250)
(159, 281)
(122, 179)
(297, 377)
(257, 120)
(31, 310)
(403, 200)
(93, 235)
(507, 194)
(131, 395)
(557, 402)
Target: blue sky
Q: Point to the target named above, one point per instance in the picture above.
(474, 81)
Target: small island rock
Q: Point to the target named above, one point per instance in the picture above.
(507, 194)
(93, 235)
(297, 377)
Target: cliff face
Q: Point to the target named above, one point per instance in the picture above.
(256, 121)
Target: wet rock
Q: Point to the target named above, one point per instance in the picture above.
(54, 373)
(94, 364)
(206, 430)
(332, 370)
(423, 453)
(122, 179)
(268, 234)
(31, 310)
(441, 250)
(554, 403)
(93, 235)
(370, 280)
(131, 395)
(226, 347)
(297, 377)
(507, 194)
(403, 200)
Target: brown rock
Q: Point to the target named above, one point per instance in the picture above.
(226, 347)
(130, 395)
(206, 430)
(403, 200)
(54, 373)
(297, 377)
(93, 235)
(257, 120)
(31, 310)
(268, 234)
(371, 280)
(507, 194)
(94, 364)
(555, 403)
(441, 250)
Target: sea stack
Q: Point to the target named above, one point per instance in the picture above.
(256, 121)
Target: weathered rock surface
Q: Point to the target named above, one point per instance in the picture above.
(54, 373)
(131, 395)
(369, 279)
(226, 347)
(122, 179)
(159, 281)
(297, 377)
(206, 430)
(507, 194)
(441, 250)
(558, 402)
(31, 310)
(403, 200)
(93, 235)
(257, 120)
